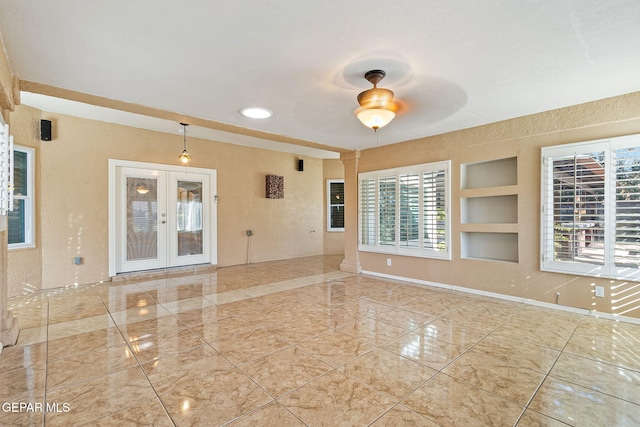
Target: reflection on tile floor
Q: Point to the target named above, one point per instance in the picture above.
(299, 342)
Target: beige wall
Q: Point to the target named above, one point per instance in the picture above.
(333, 240)
(521, 137)
(72, 192)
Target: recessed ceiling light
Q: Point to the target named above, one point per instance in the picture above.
(256, 113)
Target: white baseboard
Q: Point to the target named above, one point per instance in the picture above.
(593, 313)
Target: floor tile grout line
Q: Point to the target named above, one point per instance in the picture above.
(525, 407)
(441, 371)
(139, 365)
(243, 372)
(593, 360)
(107, 374)
(338, 367)
(46, 370)
(229, 422)
(547, 374)
(361, 316)
(400, 404)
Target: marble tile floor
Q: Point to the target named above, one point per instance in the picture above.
(297, 342)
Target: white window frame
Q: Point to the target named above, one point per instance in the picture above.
(396, 248)
(329, 205)
(609, 268)
(30, 223)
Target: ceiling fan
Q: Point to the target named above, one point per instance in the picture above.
(377, 107)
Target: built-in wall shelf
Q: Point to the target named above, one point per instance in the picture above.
(489, 228)
(489, 210)
(491, 173)
(489, 191)
(490, 246)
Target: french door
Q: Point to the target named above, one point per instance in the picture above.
(160, 216)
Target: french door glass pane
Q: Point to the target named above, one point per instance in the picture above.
(142, 218)
(189, 218)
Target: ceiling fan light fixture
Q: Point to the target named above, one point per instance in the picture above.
(377, 107)
(256, 113)
(375, 118)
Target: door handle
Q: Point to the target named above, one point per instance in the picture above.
(163, 222)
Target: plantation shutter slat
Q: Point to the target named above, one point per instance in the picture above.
(434, 210)
(409, 220)
(578, 212)
(368, 211)
(387, 210)
(627, 210)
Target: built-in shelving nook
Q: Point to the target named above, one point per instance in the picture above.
(489, 210)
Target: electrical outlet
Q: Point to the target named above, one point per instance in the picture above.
(600, 291)
(388, 262)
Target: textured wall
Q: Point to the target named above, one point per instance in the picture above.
(7, 90)
(73, 210)
(522, 137)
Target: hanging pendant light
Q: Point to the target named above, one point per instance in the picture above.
(377, 107)
(184, 157)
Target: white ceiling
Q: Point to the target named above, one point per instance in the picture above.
(452, 64)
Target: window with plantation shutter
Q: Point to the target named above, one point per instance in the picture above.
(627, 179)
(367, 215)
(409, 187)
(387, 210)
(591, 208)
(405, 211)
(434, 211)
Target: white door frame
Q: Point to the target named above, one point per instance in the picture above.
(114, 164)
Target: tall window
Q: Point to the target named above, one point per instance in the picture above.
(20, 223)
(335, 205)
(591, 208)
(406, 211)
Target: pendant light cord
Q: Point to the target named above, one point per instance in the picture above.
(184, 136)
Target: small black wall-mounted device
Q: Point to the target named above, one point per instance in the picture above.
(45, 130)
